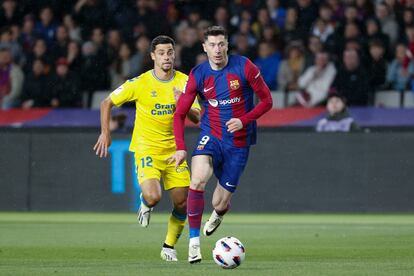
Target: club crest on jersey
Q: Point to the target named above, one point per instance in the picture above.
(234, 84)
(153, 94)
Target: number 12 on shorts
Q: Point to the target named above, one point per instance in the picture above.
(146, 161)
(203, 141)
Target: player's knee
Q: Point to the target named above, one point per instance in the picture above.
(152, 199)
(181, 206)
(197, 184)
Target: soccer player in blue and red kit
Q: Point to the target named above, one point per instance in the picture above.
(226, 86)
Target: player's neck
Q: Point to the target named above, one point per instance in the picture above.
(163, 75)
(218, 67)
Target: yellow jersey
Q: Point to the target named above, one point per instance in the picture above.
(155, 107)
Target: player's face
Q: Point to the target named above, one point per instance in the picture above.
(163, 56)
(216, 48)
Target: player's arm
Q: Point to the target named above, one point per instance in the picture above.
(183, 106)
(104, 139)
(194, 115)
(259, 86)
(119, 96)
(194, 112)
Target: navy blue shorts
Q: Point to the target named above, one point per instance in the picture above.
(228, 161)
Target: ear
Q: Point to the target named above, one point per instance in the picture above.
(152, 56)
(204, 47)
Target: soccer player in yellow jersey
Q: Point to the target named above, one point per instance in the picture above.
(155, 94)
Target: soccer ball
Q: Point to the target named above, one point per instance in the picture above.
(229, 252)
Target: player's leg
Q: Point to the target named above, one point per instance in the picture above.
(150, 196)
(176, 222)
(149, 177)
(201, 171)
(221, 204)
(234, 161)
(176, 181)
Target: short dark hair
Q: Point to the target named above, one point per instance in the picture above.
(161, 39)
(215, 31)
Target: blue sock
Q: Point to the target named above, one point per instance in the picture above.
(194, 232)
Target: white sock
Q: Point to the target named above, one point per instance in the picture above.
(195, 241)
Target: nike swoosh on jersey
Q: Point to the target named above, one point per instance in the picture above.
(228, 184)
(258, 74)
(206, 90)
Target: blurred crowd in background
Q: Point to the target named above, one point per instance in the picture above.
(57, 53)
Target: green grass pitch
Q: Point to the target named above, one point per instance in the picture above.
(276, 244)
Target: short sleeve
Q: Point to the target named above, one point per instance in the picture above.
(127, 92)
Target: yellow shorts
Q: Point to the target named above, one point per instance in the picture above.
(155, 166)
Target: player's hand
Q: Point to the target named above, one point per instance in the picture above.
(179, 157)
(177, 93)
(234, 124)
(102, 145)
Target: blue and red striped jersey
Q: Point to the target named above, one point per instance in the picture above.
(225, 94)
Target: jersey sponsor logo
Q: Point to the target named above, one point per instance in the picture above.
(208, 89)
(234, 84)
(163, 109)
(215, 103)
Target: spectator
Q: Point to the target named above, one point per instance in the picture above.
(98, 37)
(388, 23)
(352, 80)
(268, 62)
(374, 32)
(65, 87)
(6, 41)
(316, 81)
(244, 29)
(338, 9)
(94, 74)
(365, 8)
(243, 48)
(73, 29)
(121, 68)
(291, 67)
(46, 27)
(74, 57)
(191, 48)
(60, 47)
(263, 20)
(377, 64)
(11, 80)
(400, 70)
(307, 12)
(36, 89)
(291, 32)
(113, 41)
(322, 29)
(326, 14)
(338, 119)
(90, 14)
(314, 46)
(9, 14)
(277, 12)
(39, 52)
(141, 61)
(27, 36)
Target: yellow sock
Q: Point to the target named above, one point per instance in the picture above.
(175, 228)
